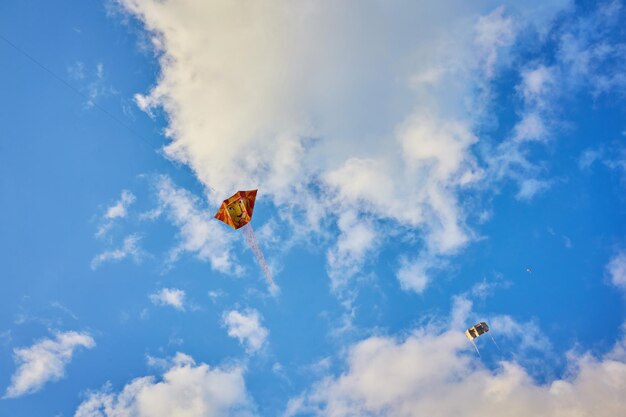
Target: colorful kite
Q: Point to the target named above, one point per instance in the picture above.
(236, 211)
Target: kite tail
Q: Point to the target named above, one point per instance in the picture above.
(248, 234)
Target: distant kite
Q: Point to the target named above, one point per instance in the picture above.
(236, 211)
(478, 330)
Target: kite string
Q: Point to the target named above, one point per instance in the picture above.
(75, 90)
(494, 342)
(476, 347)
(248, 234)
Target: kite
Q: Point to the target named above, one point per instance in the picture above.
(478, 330)
(236, 211)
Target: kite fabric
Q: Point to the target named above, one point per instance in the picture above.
(476, 330)
(236, 211)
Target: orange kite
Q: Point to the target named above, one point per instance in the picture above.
(236, 211)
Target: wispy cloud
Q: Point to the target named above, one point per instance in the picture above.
(485, 288)
(494, 32)
(415, 274)
(198, 232)
(246, 327)
(358, 238)
(130, 248)
(45, 361)
(93, 82)
(120, 208)
(612, 156)
(588, 54)
(169, 297)
(588, 57)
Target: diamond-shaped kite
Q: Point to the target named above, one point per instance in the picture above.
(236, 211)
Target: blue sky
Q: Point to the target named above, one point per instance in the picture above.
(420, 168)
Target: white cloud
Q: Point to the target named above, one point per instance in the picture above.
(493, 32)
(414, 275)
(179, 359)
(185, 389)
(530, 127)
(130, 248)
(612, 156)
(169, 297)
(589, 157)
(617, 270)
(525, 335)
(531, 187)
(590, 56)
(120, 208)
(485, 288)
(94, 83)
(214, 295)
(537, 83)
(246, 327)
(247, 87)
(45, 361)
(511, 158)
(435, 372)
(356, 240)
(617, 160)
(199, 233)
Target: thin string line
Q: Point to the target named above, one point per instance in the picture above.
(72, 88)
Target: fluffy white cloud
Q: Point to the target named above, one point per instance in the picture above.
(435, 372)
(130, 248)
(617, 270)
(246, 327)
(45, 361)
(185, 389)
(308, 101)
(169, 297)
